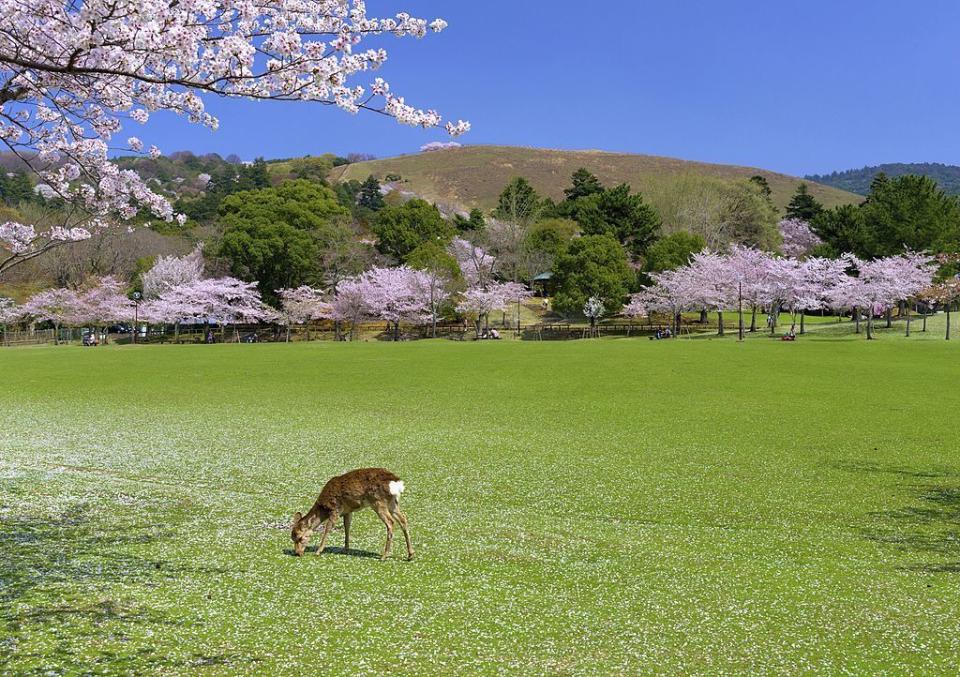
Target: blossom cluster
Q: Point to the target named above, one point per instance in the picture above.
(757, 279)
(71, 75)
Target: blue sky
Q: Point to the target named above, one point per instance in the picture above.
(797, 87)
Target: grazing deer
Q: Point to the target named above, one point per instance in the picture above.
(375, 488)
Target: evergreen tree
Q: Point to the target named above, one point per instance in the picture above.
(475, 222)
(16, 188)
(403, 228)
(370, 196)
(622, 215)
(910, 212)
(673, 251)
(593, 266)
(763, 184)
(518, 203)
(804, 206)
(585, 184)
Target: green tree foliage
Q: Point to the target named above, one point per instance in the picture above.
(746, 217)
(858, 180)
(225, 181)
(552, 236)
(803, 205)
(16, 188)
(278, 235)
(474, 222)
(673, 251)
(369, 195)
(519, 203)
(620, 214)
(401, 229)
(909, 212)
(433, 257)
(593, 265)
(584, 184)
(843, 229)
(762, 184)
(312, 168)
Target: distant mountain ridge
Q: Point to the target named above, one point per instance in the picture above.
(858, 180)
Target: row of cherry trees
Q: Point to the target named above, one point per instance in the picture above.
(175, 292)
(743, 279)
(753, 280)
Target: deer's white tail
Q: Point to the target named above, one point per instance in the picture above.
(396, 488)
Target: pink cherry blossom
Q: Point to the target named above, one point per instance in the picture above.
(171, 271)
(73, 74)
(798, 238)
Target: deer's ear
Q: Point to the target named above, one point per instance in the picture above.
(297, 517)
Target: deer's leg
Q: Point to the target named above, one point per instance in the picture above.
(346, 530)
(327, 528)
(383, 512)
(402, 519)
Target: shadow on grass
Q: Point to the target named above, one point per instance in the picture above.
(928, 529)
(330, 550)
(63, 605)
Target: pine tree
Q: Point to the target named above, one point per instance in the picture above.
(370, 195)
(585, 184)
(804, 206)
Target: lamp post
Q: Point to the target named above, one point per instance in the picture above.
(740, 309)
(136, 314)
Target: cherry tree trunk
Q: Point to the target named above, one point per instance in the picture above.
(703, 316)
(803, 328)
(719, 323)
(870, 326)
(889, 317)
(856, 318)
(753, 320)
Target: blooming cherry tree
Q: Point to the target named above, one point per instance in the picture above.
(171, 271)
(476, 264)
(104, 304)
(59, 306)
(945, 293)
(72, 74)
(481, 300)
(432, 287)
(393, 295)
(798, 238)
(9, 312)
(224, 300)
(302, 305)
(593, 310)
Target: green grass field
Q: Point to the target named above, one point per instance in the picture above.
(594, 507)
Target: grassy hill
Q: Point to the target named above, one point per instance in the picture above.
(473, 176)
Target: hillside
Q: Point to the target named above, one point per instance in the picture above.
(858, 180)
(473, 176)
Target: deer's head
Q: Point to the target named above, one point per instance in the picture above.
(300, 534)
